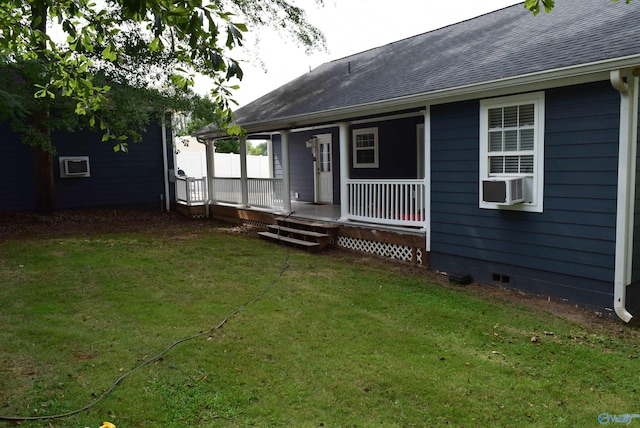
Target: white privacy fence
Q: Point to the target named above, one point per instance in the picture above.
(194, 164)
(394, 202)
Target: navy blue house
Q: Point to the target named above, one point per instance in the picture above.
(509, 141)
(89, 174)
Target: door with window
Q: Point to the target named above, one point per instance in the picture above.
(324, 170)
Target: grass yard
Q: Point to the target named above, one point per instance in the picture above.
(341, 340)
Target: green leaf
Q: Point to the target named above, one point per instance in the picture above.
(108, 54)
(156, 44)
(241, 27)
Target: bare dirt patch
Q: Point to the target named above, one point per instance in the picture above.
(25, 225)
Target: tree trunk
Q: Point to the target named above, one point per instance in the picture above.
(45, 190)
(43, 159)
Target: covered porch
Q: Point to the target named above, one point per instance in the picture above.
(371, 170)
(367, 175)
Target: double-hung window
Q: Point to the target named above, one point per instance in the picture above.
(365, 148)
(512, 150)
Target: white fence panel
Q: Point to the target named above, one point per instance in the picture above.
(194, 164)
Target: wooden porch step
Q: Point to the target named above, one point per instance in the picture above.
(294, 223)
(309, 235)
(308, 245)
(306, 235)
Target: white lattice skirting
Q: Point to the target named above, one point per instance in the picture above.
(393, 251)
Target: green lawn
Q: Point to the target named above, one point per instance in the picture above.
(340, 340)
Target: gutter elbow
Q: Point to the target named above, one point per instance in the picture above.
(621, 310)
(615, 76)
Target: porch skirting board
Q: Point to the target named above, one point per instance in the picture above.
(383, 249)
(405, 247)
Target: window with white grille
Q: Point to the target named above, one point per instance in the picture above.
(512, 145)
(365, 148)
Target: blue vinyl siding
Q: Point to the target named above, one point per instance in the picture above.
(277, 156)
(133, 179)
(635, 277)
(301, 163)
(16, 173)
(397, 145)
(566, 251)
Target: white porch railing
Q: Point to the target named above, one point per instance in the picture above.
(191, 191)
(263, 192)
(226, 190)
(393, 202)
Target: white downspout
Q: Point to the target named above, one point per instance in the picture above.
(165, 163)
(626, 191)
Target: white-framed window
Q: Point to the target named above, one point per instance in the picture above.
(512, 152)
(365, 148)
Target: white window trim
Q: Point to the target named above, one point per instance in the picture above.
(375, 147)
(536, 186)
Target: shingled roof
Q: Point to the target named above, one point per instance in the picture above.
(504, 44)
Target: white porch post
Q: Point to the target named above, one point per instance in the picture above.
(344, 170)
(244, 184)
(286, 171)
(210, 150)
(427, 176)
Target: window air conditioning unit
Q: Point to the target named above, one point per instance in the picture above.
(503, 190)
(74, 166)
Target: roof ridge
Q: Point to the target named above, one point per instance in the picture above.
(422, 34)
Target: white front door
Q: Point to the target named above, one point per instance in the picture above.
(324, 170)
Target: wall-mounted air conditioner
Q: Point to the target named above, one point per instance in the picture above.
(74, 166)
(503, 190)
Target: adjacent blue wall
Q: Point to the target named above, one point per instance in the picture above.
(17, 191)
(397, 157)
(132, 180)
(568, 250)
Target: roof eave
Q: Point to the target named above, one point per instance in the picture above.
(582, 73)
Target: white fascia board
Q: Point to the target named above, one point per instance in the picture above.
(585, 73)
